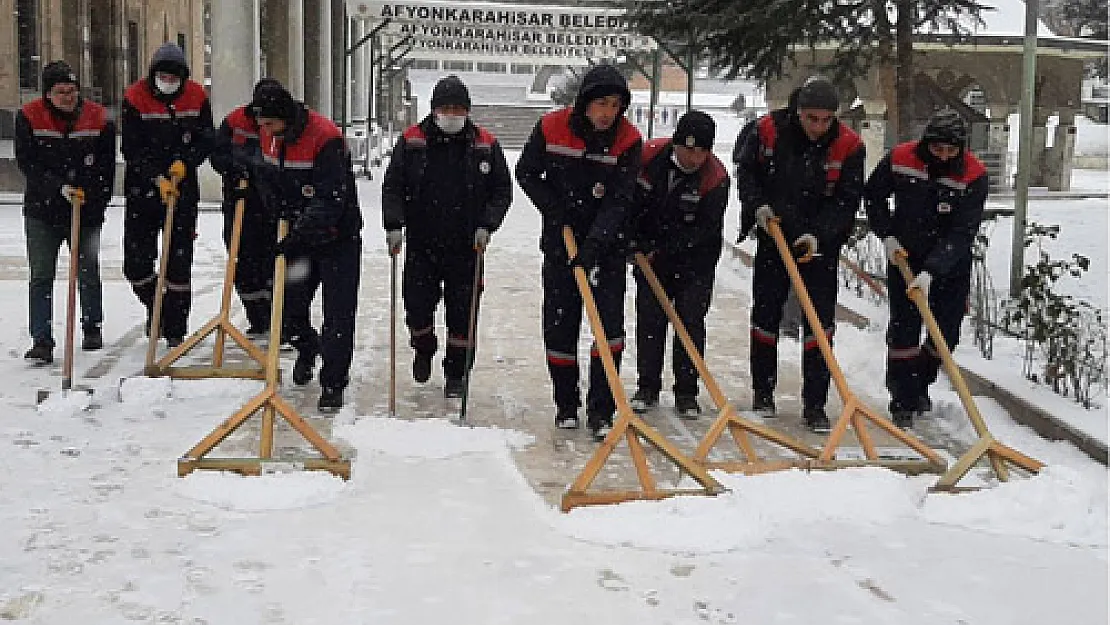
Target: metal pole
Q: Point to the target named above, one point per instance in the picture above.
(690, 71)
(1025, 147)
(653, 99)
(346, 74)
(370, 103)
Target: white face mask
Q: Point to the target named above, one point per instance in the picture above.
(451, 124)
(168, 87)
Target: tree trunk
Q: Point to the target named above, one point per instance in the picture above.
(904, 79)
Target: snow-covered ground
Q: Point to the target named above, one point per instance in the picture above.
(437, 524)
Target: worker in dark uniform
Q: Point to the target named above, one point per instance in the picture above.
(307, 179)
(805, 168)
(448, 187)
(235, 156)
(66, 148)
(680, 207)
(166, 134)
(579, 168)
(939, 189)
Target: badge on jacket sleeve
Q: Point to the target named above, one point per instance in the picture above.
(944, 207)
(308, 191)
(484, 167)
(89, 160)
(186, 137)
(599, 190)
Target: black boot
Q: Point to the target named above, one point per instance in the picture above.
(93, 339)
(644, 399)
(454, 388)
(41, 352)
(422, 366)
(566, 418)
(599, 425)
(331, 399)
(901, 413)
(763, 404)
(302, 369)
(687, 406)
(816, 420)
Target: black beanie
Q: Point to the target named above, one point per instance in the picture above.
(818, 93)
(169, 58)
(271, 99)
(56, 72)
(450, 90)
(946, 126)
(695, 129)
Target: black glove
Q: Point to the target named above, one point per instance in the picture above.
(587, 255)
(293, 243)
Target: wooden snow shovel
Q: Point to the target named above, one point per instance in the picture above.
(997, 453)
(160, 287)
(627, 425)
(855, 412)
(76, 201)
(738, 426)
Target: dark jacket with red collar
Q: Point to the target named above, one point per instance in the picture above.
(54, 149)
(813, 186)
(307, 178)
(937, 208)
(159, 129)
(236, 153)
(680, 216)
(580, 177)
(442, 187)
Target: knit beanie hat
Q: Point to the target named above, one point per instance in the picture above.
(272, 99)
(169, 58)
(450, 90)
(945, 126)
(695, 129)
(818, 93)
(57, 72)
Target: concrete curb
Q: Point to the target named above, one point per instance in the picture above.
(1041, 421)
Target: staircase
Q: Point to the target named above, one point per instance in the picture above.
(511, 124)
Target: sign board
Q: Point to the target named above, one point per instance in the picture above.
(480, 30)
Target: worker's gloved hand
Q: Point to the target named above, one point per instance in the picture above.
(587, 256)
(167, 189)
(922, 282)
(805, 248)
(176, 170)
(894, 249)
(393, 239)
(763, 216)
(481, 239)
(72, 194)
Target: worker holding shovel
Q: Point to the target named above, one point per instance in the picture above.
(939, 189)
(803, 168)
(682, 193)
(66, 148)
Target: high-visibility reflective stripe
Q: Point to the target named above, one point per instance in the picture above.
(810, 339)
(245, 133)
(606, 159)
(909, 171)
(643, 182)
(178, 287)
(289, 164)
(416, 142)
(255, 296)
(143, 281)
(561, 359)
(952, 183)
(458, 341)
(765, 337)
(566, 150)
(903, 353)
(421, 331)
(615, 346)
(48, 133)
(154, 115)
